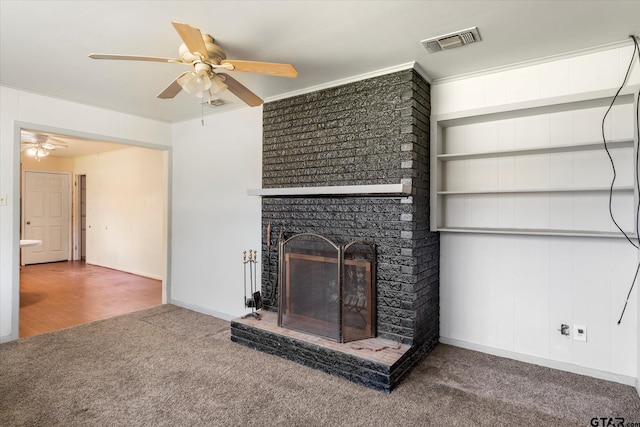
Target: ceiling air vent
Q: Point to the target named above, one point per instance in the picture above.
(451, 40)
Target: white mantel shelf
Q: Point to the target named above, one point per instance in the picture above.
(343, 190)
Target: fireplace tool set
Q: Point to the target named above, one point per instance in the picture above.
(250, 259)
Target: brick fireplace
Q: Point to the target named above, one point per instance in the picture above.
(370, 141)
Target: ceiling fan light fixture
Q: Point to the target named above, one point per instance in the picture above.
(203, 94)
(218, 86)
(202, 83)
(37, 152)
(195, 83)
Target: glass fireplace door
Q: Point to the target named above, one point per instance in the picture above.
(325, 290)
(310, 288)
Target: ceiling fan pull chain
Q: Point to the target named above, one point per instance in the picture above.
(202, 113)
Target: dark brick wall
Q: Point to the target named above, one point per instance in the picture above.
(352, 134)
(374, 131)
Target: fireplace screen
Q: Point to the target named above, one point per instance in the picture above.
(327, 290)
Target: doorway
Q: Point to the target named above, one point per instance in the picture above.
(80, 248)
(106, 226)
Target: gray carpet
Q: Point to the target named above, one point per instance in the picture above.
(168, 366)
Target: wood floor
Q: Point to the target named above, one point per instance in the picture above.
(63, 294)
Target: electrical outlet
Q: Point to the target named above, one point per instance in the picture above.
(564, 330)
(580, 333)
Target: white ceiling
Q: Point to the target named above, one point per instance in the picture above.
(44, 45)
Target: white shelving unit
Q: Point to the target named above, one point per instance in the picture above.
(441, 191)
(621, 143)
(531, 232)
(536, 190)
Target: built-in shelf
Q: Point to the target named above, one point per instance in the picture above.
(443, 188)
(599, 98)
(623, 143)
(343, 190)
(535, 190)
(538, 232)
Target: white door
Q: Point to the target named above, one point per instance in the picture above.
(45, 216)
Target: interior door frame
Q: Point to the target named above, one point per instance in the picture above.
(168, 150)
(23, 192)
(77, 246)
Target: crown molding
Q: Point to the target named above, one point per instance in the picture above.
(516, 65)
(352, 79)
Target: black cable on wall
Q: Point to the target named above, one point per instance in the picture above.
(636, 49)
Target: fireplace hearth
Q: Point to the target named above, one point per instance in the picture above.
(375, 363)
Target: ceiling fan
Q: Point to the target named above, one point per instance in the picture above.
(39, 145)
(208, 61)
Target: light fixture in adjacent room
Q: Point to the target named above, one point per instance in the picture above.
(38, 145)
(37, 152)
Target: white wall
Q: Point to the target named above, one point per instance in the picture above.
(509, 294)
(213, 218)
(47, 164)
(46, 113)
(126, 207)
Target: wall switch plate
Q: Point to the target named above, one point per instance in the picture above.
(3, 199)
(580, 333)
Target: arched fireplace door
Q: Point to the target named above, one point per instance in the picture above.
(325, 289)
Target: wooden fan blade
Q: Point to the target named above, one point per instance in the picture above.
(239, 90)
(270, 68)
(173, 89)
(134, 58)
(192, 38)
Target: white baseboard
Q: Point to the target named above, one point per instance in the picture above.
(125, 270)
(219, 315)
(6, 338)
(561, 366)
